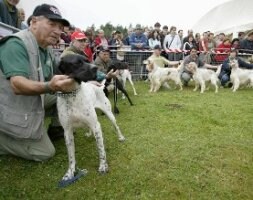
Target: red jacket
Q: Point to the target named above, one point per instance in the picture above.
(98, 41)
(205, 47)
(88, 52)
(222, 52)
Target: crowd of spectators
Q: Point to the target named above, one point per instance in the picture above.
(171, 40)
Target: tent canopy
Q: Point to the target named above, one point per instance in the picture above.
(231, 17)
(29, 6)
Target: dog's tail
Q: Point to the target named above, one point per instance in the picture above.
(103, 82)
(218, 70)
(180, 67)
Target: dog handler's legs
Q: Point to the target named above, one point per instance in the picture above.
(51, 110)
(2, 151)
(224, 79)
(55, 130)
(37, 150)
(186, 78)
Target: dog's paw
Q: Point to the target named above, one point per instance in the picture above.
(69, 175)
(103, 169)
(122, 138)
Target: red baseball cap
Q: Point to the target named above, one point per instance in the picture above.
(78, 36)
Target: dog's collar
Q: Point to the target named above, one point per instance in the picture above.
(68, 94)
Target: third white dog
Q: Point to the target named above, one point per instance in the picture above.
(203, 75)
(240, 76)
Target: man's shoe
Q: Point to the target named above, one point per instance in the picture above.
(185, 84)
(230, 84)
(55, 132)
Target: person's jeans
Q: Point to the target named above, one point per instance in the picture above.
(185, 77)
(224, 79)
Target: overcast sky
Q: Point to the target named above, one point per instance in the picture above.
(181, 13)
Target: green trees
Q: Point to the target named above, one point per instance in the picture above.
(109, 28)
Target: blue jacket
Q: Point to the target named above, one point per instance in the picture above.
(127, 40)
(135, 39)
(226, 69)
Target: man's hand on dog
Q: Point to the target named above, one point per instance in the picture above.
(112, 74)
(62, 83)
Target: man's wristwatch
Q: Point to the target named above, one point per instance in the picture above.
(48, 90)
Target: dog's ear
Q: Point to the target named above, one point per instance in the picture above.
(60, 68)
(125, 65)
(111, 66)
(94, 70)
(85, 73)
(151, 65)
(119, 65)
(75, 67)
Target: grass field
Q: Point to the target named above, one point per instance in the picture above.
(179, 145)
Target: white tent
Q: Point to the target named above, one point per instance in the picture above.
(230, 17)
(29, 6)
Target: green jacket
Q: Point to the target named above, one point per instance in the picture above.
(72, 50)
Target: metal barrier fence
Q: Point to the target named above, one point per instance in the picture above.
(135, 61)
(215, 58)
(135, 58)
(6, 30)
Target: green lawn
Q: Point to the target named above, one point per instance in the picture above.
(179, 145)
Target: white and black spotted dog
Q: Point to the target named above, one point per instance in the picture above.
(77, 109)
